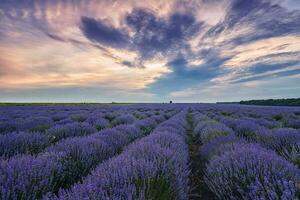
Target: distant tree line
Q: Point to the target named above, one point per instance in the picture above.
(273, 102)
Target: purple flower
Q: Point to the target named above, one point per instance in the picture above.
(34, 124)
(216, 146)
(210, 129)
(248, 171)
(98, 122)
(63, 164)
(23, 142)
(29, 177)
(59, 132)
(251, 131)
(78, 118)
(123, 119)
(7, 127)
(286, 142)
(231, 122)
(153, 167)
(131, 131)
(293, 123)
(146, 125)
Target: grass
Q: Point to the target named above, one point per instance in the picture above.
(199, 189)
(157, 188)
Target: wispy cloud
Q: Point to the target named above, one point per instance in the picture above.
(160, 48)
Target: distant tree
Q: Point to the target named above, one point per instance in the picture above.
(273, 102)
(171, 101)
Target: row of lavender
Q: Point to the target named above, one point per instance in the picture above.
(66, 162)
(240, 168)
(41, 118)
(250, 152)
(154, 167)
(270, 117)
(285, 141)
(33, 134)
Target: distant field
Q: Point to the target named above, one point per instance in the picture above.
(62, 104)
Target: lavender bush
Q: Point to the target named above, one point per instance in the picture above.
(98, 122)
(286, 142)
(34, 124)
(59, 132)
(231, 122)
(251, 131)
(68, 161)
(103, 152)
(293, 123)
(249, 171)
(28, 177)
(215, 147)
(7, 127)
(210, 129)
(23, 142)
(123, 119)
(155, 167)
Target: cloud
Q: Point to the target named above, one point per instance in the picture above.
(98, 31)
(161, 47)
(156, 35)
(151, 35)
(266, 19)
(183, 75)
(272, 75)
(255, 39)
(128, 63)
(98, 93)
(284, 86)
(262, 68)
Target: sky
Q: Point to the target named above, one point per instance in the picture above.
(149, 51)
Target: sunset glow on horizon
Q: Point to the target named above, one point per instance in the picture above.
(149, 51)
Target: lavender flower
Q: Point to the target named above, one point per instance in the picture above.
(59, 132)
(249, 171)
(23, 142)
(251, 131)
(286, 142)
(78, 118)
(98, 122)
(215, 147)
(231, 122)
(209, 129)
(28, 177)
(60, 165)
(7, 127)
(293, 123)
(155, 167)
(123, 119)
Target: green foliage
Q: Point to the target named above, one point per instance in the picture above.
(158, 188)
(273, 102)
(254, 115)
(278, 117)
(78, 118)
(226, 114)
(146, 130)
(40, 128)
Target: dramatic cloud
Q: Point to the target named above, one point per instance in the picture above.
(150, 35)
(153, 35)
(98, 31)
(181, 49)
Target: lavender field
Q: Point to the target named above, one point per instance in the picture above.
(149, 152)
(149, 100)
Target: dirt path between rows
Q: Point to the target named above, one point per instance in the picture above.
(198, 188)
